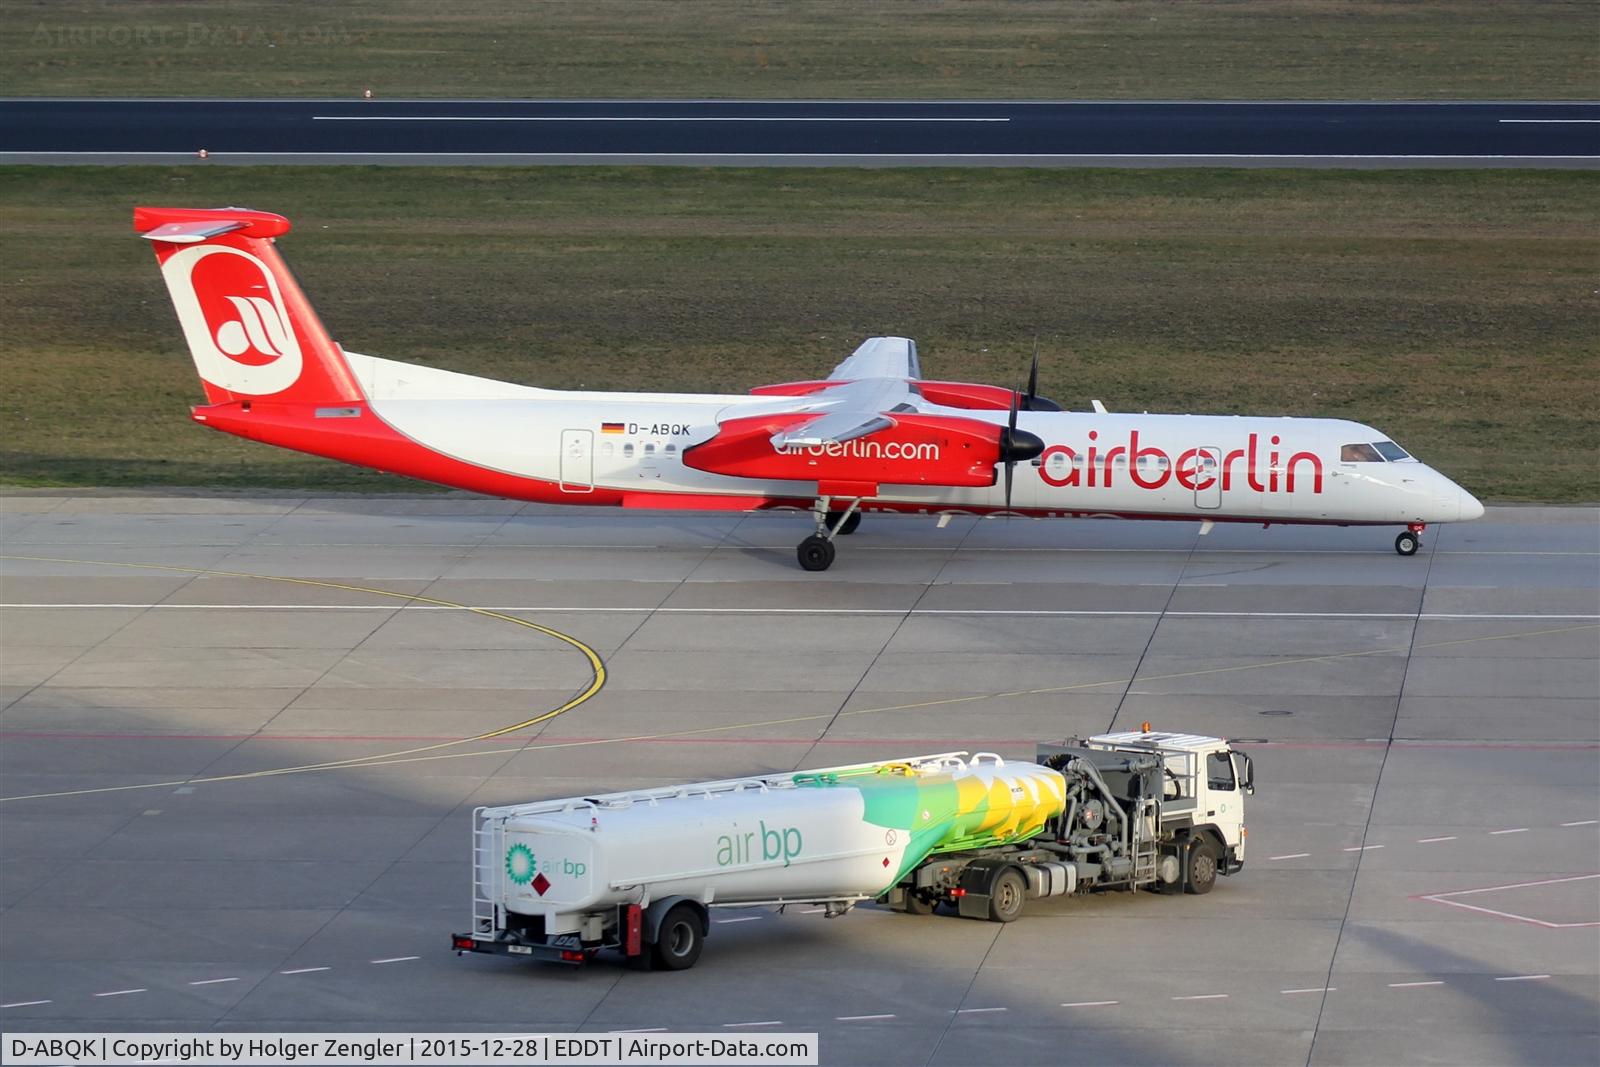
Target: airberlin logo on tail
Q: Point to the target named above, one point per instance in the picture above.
(234, 318)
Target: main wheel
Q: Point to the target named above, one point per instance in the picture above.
(815, 553)
(849, 526)
(1200, 868)
(679, 940)
(1006, 894)
(1407, 544)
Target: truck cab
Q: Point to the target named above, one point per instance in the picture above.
(1204, 783)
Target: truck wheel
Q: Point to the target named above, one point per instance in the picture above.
(679, 940)
(1006, 895)
(1200, 868)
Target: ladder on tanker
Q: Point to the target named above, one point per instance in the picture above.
(1145, 850)
(488, 846)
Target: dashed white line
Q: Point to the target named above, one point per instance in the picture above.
(1091, 1003)
(213, 981)
(977, 1011)
(741, 919)
(1205, 996)
(1522, 978)
(121, 992)
(859, 1018)
(306, 970)
(1518, 830)
(25, 1003)
(1291, 856)
(1431, 840)
(1317, 989)
(1585, 822)
(1411, 985)
(396, 959)
(769, 1022)
(1362, 848)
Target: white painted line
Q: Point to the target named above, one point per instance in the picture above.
(977, 1011)
(1290, 856)
(1548, 121)
(769, 1022)
(213, 981)
(25, 1003)
(1518, 830)
(216, 155)
(745, 919)
(1318, 989)
(397, 959)
(1091, 1004)
(1431, 840)
(1585, 822)
(1442, 898)
(306, 970)
(642, 118)
(1411, 985)
(859, 1018)
(1362, 848)
(121, 992)
(1205, 996)
(1523, 978)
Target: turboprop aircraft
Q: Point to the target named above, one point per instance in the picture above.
(875, 435)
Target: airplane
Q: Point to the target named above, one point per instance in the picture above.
(875, 435)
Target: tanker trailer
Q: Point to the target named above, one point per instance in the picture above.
(637, 871)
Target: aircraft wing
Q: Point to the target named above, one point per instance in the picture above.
(848, 411)
(880, 357)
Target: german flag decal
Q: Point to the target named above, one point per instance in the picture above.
(611, 427)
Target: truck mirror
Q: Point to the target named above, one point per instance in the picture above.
(1247, 780)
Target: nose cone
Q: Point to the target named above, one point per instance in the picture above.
(1471, 508)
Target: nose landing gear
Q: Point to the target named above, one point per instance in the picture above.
(1408, 543)
(816, 552)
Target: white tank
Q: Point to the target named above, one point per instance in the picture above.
(837, 834)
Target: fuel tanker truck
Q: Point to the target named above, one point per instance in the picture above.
(977, 835)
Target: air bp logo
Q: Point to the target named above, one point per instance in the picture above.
(521, 864)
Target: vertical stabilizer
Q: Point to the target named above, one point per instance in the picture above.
(250, 329)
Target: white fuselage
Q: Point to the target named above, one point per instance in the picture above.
(1199, 466)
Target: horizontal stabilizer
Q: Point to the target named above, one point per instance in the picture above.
(186, 233)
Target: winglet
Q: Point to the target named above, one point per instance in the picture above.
(1099, 408)
(188, 225)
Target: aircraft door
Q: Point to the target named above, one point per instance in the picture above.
(1208, 478)
(577, 461)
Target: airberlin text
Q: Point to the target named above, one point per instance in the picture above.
(865, 448)
(1149, 467)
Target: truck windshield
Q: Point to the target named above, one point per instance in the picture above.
(1219, 771)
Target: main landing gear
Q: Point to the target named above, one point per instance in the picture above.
(1408, 543)
(816, 552)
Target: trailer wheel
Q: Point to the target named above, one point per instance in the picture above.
(678, 940)
(1006, 895)
(1200, 868)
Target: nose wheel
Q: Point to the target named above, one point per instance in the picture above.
(816, 552)
(1411, 540)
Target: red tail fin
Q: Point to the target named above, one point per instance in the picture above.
(250, 329)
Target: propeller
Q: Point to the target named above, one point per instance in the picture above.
(1032, 399)
(1017, 444)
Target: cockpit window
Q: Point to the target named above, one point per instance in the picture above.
(1390, 451)
(1359, 453)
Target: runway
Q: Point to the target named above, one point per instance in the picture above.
(861, 133)
(243, 737)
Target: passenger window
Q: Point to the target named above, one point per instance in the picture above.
(649, 450)
(670, 449)
(607, 448)
(1219, 771)
(627, 449)
(1390, 451)
(1359, 453)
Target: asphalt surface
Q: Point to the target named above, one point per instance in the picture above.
(1424, 854)
(800, 132)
